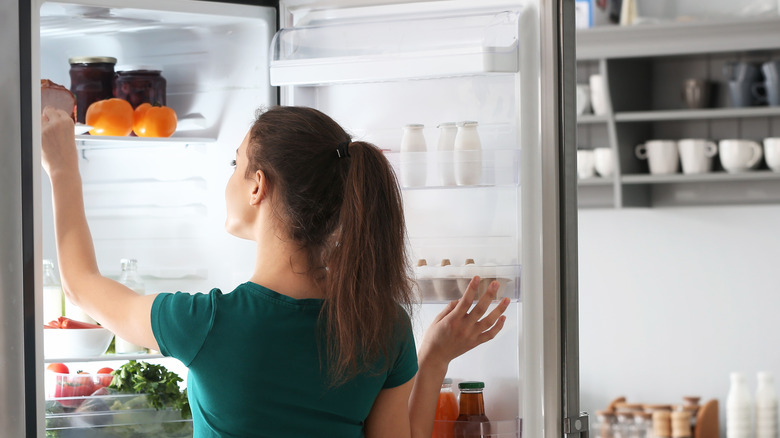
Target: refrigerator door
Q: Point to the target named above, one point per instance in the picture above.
(17, 270)
(509, 65)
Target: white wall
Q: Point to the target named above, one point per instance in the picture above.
(673, 300)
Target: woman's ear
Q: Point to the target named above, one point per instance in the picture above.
(259, 188)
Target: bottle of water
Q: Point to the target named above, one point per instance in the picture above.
(739, 409)
(130, 278)
(52, 294)
(766, 406)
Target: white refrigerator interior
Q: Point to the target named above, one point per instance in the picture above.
(374, 68)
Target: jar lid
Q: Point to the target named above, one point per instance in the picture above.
(628, 406)
(137, 67)
(468, 123)
(605, 413)
(447, 125)
(414, 126)
(92, 60)
(471, 385)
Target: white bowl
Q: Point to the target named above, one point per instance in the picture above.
(75, 343)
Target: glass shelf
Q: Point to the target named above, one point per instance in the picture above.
(95, 142)
(105, 358)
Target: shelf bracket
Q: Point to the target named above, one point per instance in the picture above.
(576, 425)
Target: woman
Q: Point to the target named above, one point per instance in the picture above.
(318, 341)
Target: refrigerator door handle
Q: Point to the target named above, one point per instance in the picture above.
(576, 425)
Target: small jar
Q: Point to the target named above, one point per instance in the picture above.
(91, 80)
(606, 423)
(140, 84)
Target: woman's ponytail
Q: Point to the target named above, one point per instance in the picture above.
(368, 268)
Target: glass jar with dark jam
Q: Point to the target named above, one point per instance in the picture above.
(140, 84)
(91, 79)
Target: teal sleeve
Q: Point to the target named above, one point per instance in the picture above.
(405, 366)
(181, 322)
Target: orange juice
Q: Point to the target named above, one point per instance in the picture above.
(446, 411)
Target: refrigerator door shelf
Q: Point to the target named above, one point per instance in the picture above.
(497, 429)
(396, 48)
(437, 284)
(439, 169)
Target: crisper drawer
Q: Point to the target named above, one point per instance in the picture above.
(112, 416)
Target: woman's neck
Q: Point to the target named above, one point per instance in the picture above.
(283, 268)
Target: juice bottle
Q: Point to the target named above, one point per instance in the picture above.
(472, 421)
(446, 411)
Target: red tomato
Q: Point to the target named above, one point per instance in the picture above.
(60, 368)
(104, 376)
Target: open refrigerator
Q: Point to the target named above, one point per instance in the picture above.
(375, 67)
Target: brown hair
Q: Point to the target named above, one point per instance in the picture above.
(346, 213)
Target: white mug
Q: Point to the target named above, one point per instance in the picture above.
(583, 99)
(696, 155)
(598, 93)
(738, 155)
(604, 161)
(586, 164)
(772, 153)
(662, 156)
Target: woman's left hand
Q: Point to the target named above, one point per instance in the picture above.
(58, 141)
(457, 330)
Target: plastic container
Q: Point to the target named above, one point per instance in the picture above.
(113, 415)
(414, 162)
(445, 149)
(766, 407)
(739, 409)
(140, 84)
(91, 80)
(130, 278)
(468, 155)
(53, 298)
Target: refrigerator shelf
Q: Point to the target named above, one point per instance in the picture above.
(442, 284)
(105, 357)
(398, 48)
(94, 142)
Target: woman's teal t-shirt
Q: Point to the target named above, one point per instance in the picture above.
(255, 369)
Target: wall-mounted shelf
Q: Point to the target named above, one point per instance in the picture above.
(645, 67)
(696, 114)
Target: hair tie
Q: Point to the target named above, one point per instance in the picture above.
(342, 150)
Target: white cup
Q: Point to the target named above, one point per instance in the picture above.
(738, 155)
(583, 99)
(586, 164)
(598, 94)
(696, 155)
(605, 163)
(662, 156)
(772, 153)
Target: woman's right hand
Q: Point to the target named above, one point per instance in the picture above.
(457, 330)
(58, 141)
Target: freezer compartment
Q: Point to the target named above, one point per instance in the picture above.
(112, 416)
(456, 169)
(396, 48)
(506, 428)
(448, 282)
